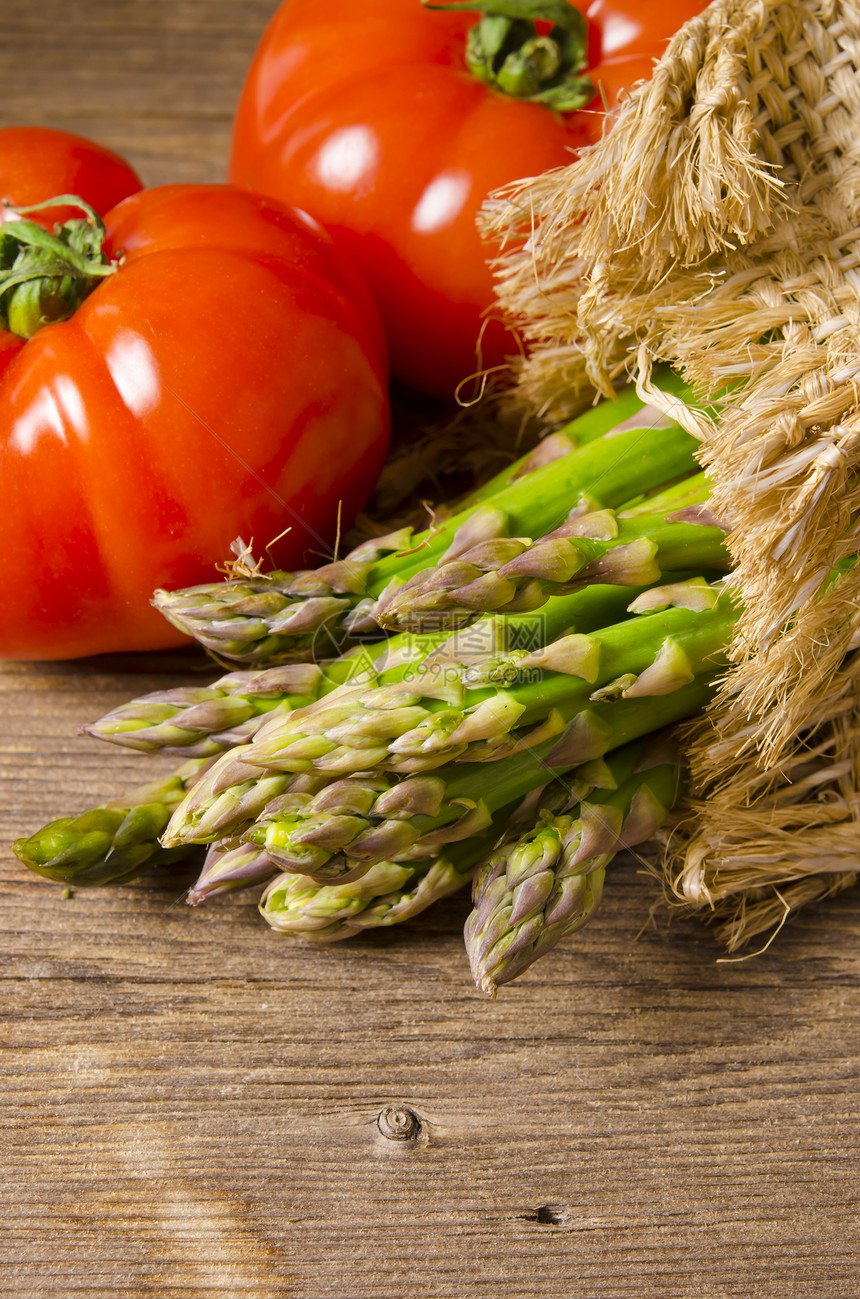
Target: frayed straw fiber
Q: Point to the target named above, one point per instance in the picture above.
(716, 228)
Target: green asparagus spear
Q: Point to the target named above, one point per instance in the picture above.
(626, 411)
(113, 843)
(207, 720)
(514, 574)
(387, 894)
(278, 616)
(390, 892)
(230, 796)
(433, 717)
(201, 721)
(352, 824)
(287, 615)
(327, 833)
(229, 867)
(540, 886)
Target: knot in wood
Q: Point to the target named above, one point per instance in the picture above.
(398, 1123)
(553, 1215)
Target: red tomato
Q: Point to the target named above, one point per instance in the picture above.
(365, 116)
(227, 380)
(37, 162)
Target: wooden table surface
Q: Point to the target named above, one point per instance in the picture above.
(191, 1103)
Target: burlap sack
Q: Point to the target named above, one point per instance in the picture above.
(717, 228)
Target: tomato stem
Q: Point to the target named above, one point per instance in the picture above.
(508, 51)
(44, 277)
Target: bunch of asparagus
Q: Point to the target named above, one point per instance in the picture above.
(487, 700)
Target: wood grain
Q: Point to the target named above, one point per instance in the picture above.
(191, 1103)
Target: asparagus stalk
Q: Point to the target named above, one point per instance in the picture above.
(626, 410)
(514, 574)
(433, 717)
(230, 796)
(495, 645)
(351, 824)
(236, 866)
(206, 720)
(201, 721)
(390, 892)
(540, 886)
(310, 832)
(354, 823)
(277, 616)
(280, 615)
(112, 843)
(230, 867)
(386, 894)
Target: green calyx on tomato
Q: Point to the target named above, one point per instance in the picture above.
(507, 50)
(45, 277)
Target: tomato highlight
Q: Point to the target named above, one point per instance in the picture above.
(227, 378)
(392, 122)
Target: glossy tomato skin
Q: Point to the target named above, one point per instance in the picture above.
(37, 162)
(365, 116)
(226, 381)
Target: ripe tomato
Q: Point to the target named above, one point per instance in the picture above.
(37, 162)
(227, 380)
(365, 116)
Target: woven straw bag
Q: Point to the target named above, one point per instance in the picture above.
(716, 228)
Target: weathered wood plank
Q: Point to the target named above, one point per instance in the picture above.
(190, 1102)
